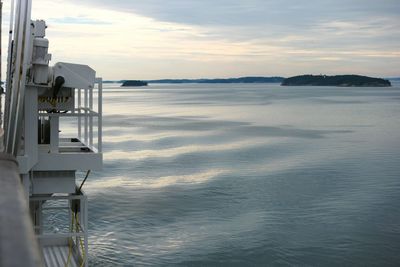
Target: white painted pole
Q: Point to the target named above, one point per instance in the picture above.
(8, 73)
(85, 100)
(26, 61)
(1, 89)
(79, 115)
(100, 115)
(54, 135)
(85, 226)
(14, 61)
(91, 118)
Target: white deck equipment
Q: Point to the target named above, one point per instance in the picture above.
(40, 100)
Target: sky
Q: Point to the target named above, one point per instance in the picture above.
(152, 39)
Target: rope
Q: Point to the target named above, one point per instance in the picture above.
(83, 182)
(80, 239)
(70, 244)
(75, 224)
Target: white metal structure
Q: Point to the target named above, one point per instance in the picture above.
(39, 99)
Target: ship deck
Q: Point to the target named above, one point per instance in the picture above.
(59, 256)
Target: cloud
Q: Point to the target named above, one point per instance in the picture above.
(77, 20)
(225, 38)
(297, 25)
(252, 12)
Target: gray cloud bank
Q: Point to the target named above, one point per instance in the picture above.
(255, 12)
(336, 32)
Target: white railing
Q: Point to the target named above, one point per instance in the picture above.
(75, 237)
(84, 109)
(87, 112)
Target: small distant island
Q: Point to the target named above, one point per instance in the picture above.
(338, 80)
(134, 83)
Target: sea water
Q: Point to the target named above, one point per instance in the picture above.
(247, 175)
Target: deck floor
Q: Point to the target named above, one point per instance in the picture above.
(57, 256)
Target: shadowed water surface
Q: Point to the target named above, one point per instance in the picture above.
(235, 175)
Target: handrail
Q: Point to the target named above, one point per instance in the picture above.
(18, 246)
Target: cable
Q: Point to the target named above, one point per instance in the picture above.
(78, 225)
(83, 182)
(70, 244)
(75, 222)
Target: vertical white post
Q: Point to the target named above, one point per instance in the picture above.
(91, 117)
(1, 89)
(13, 90)
(31, 125)
(70, 216)
(40, 216)
(100, 114)
(85, 228)
(1, 52)
(54, 135)
(79, 115)
(9, 65)
(86, 115)
(25, 61)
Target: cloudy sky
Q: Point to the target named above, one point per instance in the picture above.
(150, 39)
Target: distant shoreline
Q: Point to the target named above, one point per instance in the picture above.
(241, 80)
(218, 80)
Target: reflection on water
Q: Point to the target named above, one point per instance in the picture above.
(259, 174)
(195, 178)
(175, 151)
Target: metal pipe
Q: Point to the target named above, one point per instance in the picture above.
(100, 115)
(85, 119)
(85, 224)
(1, 41)
(8, 74)
(26, 60)
(79, 118)
(91, 118)
(1, 87)
(13, 76)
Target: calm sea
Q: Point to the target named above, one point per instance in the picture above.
(247, 175)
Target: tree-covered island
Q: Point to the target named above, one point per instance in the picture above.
(134, 83)
(338, 80)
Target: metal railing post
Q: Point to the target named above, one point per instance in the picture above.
(9, 65)
(79, 114)
(100, 115)
(91, 118)
(85, 223)
(85, 104)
